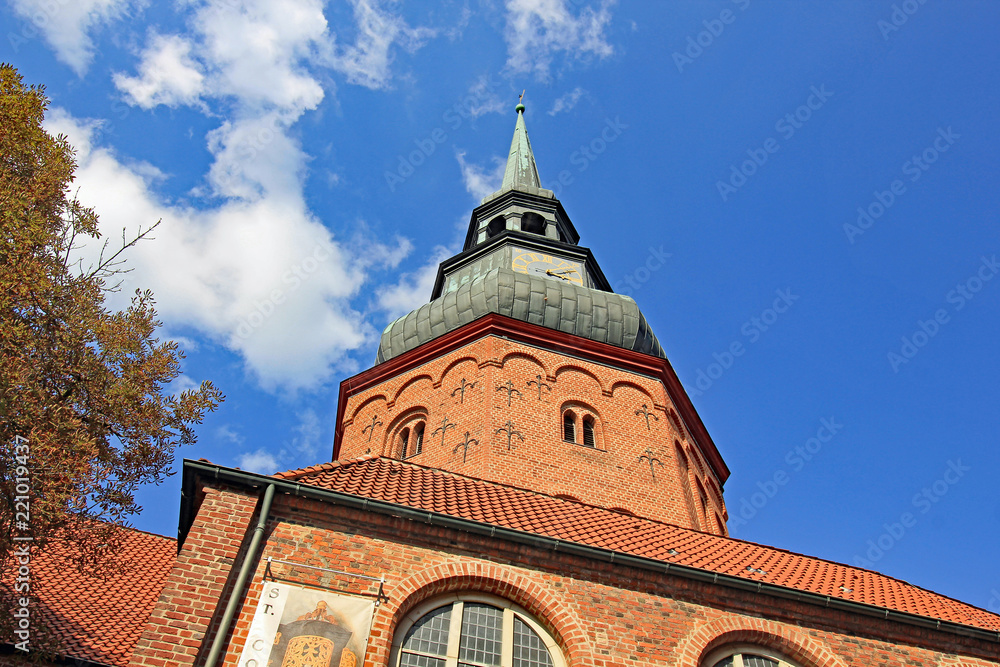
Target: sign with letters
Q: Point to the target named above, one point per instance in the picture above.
(304, 627)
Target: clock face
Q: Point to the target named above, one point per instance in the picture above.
(547, 266)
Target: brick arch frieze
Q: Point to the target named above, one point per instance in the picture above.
(634, 385)
(483, 577)
(453, 364)
(963, 662)
(409, 383)
(527, 356)
(798, 646)
(364, 404)
(580, 369)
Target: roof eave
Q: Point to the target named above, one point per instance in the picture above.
(256, 481)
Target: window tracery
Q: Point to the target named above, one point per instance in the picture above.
(474, 631)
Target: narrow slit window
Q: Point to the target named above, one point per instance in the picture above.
(418, 439)
(589, 440)
(569, 427)
(404, 440)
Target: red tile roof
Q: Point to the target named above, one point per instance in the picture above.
(99, 619)
(448, 493)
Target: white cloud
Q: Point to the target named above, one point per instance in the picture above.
(227, 433)
(483, 99)
(413, 289)
(536, 29)
(179, 385)
(367, 62)
(261, 276)
(567, 101)
(256, 271)
(67, 24)
(309, 433)
(260, 461)
(481, 181)
(257, 51)
(167, 75)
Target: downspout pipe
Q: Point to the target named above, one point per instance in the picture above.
(241, 579)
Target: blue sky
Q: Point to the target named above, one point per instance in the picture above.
(821, 175)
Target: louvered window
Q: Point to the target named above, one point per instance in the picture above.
(589, 440)
(418, 439)
(569, 427)
(476, 633)
(404, 439)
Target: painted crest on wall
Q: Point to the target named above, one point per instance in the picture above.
(304, 627)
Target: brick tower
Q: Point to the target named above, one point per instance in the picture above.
(526, 369)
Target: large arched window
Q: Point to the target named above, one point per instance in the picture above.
(473, 631)
(745, 656)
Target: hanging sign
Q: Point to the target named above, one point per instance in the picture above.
(303, 627)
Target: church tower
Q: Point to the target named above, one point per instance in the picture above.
(526, 369)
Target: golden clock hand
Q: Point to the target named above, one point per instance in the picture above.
(560, 272)
(557, 275)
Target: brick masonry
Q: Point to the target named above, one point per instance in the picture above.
(601, 614)
(197, 587)
(676, 486)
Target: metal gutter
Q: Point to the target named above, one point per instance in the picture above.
(241, 578)
(584, 551)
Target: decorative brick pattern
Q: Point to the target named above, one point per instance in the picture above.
(506, 375)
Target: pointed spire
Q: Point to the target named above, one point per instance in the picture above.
(521, 172)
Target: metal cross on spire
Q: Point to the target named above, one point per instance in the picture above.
(521, 172)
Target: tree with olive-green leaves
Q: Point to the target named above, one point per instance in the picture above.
(84, 416)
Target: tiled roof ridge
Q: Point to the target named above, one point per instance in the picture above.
(774, 550)
(320, 467)
(131, 529)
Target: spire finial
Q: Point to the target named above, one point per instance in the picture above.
(520, 103)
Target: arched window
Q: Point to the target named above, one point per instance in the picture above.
(418, 439)
(404, 440)
(473, 631)
(745, 656)
(721, 526)
(569, 426)
(497, 225)
(533, 223)
(588, 432)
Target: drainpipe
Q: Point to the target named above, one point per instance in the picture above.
(241, 579)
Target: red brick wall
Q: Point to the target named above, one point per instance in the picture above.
(601, 614)
(196, 589)
(611, 475)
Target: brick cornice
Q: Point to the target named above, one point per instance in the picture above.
(549, 339)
